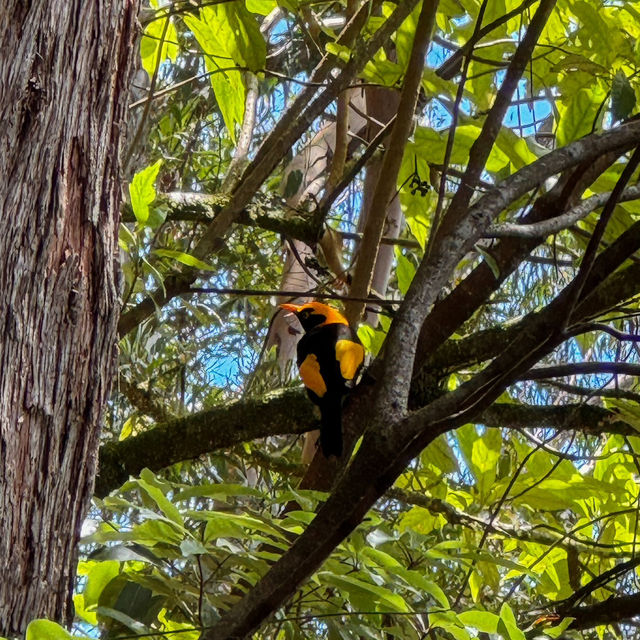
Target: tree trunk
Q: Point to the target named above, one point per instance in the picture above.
(63, 86)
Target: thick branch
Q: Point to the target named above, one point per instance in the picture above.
(617, 609)
(585, 418)
(186, 438)
(241, 153)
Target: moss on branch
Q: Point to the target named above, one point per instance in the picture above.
(287, 412)
(266, 212)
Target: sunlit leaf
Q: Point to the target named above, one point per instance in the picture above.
(159, 42)
(142, 191)
(46, 630)
(184, 258)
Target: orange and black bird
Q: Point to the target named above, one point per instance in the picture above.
(329, 358)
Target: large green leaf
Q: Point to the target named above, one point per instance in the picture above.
(484, 621)
(371, 592)
(46, 630)
(147, 484)
(143, 192)
(184, 258)
(405, 271)
(159, 42)
(230, 37)
(580, 115)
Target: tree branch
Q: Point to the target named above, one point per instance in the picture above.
(526, 533)
(288, 412)
(611, 610)
(388, 176)
(241, 153)
(581, 368)
(585, 418)
(144, 401)
(564, 221)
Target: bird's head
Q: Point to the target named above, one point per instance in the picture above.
(315, 314)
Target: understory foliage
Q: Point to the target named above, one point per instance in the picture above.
(517, 521)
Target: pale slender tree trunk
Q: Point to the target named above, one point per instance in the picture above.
(393, 225)
(382, 104)
(64, 76)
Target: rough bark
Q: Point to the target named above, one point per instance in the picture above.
(62, 98)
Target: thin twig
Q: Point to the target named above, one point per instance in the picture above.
(147, 106)
(289, 294)
(452, 130)
(592, 248)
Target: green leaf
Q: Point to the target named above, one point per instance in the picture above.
(416, 579)
(155, 493)
(262, 7)
(439, 454)
(232, 525)
(229, 36)
(191, 547)
(124, 619)
(419, 227)
(484, 621)
(46, 630)
(219, 491)
(449, 621)
(360, 588)
(226, 82)
(491, 262)
(98, 577)
(558, 629)
(294, 180)
(405, 271)
(184, 258)
(623, 97)
(578, 117)
(127, 428)
(142, 191)
(626, 410)
(125, 238)
(372, 339)
(341, 51)
(422, 520)
(151, 51)
(508, 627)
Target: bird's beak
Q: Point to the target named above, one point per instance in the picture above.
(294, 308)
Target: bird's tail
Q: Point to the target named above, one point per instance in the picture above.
(331, 428)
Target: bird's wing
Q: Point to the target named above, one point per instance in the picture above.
(350, 355)
(311, 376)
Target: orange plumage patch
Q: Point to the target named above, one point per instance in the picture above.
(350, 356)
(311, 376)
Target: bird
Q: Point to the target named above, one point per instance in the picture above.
(329, 358)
